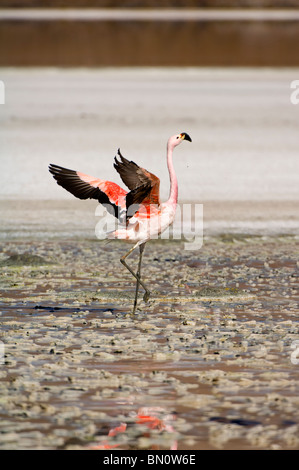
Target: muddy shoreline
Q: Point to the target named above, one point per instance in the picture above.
(211, 361)
(209, 358)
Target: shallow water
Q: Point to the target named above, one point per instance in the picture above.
(207, 363)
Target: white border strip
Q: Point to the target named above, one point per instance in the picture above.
(116, 14)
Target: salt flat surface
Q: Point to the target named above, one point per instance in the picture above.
(242, 122)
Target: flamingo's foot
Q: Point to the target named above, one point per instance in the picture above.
(146, 295)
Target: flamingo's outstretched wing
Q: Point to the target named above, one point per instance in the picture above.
(134, 176)
(115, 198)
(87, 187)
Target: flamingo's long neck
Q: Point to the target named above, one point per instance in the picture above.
(173, 196)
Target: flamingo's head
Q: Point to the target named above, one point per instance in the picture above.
(178, 138)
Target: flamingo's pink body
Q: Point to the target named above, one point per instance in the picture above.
(140, 212)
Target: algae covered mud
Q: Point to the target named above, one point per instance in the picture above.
(209, 363)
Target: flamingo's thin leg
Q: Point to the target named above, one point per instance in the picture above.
(137, 275)
(141, 250)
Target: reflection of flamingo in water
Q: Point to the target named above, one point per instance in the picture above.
(149, 417)
(139, 210)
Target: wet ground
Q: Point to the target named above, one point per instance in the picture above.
(209, 363)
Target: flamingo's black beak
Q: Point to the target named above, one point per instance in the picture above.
(186, 136)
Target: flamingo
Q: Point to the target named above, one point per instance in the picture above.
(149, 417)
(139, 211)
